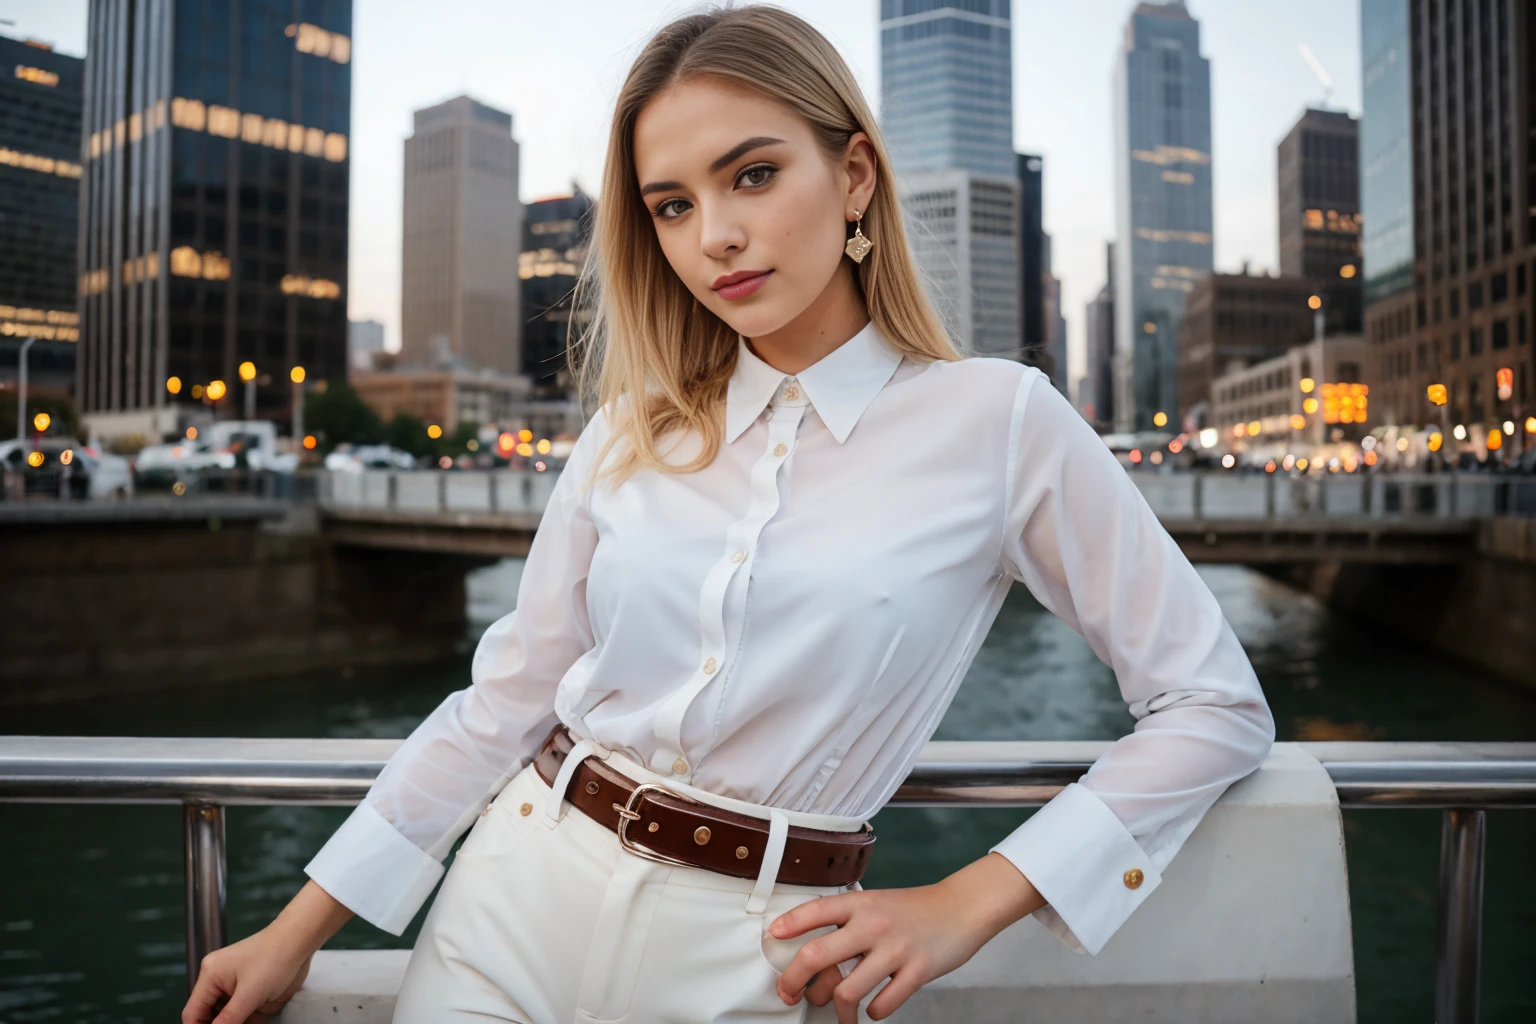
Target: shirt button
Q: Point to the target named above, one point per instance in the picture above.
(1133, 878)
(779, 449)
(791, 393)
(709, 666)
(738, 556)
(680, 767)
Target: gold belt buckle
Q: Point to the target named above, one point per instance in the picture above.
(627, 814)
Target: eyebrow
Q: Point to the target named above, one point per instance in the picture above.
(736, 151)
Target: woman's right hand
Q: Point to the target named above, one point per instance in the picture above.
(250, 980)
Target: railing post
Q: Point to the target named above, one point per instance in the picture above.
(1459, 935)
(207, 924)
(1197, 500)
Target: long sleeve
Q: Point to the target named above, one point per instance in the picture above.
(1080, 536)
(384, 860)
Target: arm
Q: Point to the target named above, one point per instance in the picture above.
(387, 856)
(1078, 533)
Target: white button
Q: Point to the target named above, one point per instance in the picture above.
(738, 556)
(791, 392)
(779, 449)
(680, 767)
(709, 666)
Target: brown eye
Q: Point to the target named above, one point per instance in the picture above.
(756, 176)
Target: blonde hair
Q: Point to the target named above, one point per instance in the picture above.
(659, 350)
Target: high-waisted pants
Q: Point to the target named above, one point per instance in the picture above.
(543, 918)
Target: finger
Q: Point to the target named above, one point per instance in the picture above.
(863, 980)
(819, 991)
(820, 953)
(203, 1003)
(237, 1011)
(823, 910)
(903, 983)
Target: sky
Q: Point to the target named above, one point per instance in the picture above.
(557, 66)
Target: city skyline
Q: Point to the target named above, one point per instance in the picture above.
(561, 95)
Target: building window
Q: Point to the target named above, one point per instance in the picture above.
(1520, 280)
(1474, 295)
(1455, 347)
(1455, 302)
(1423, 357)
(1498, 287)
(1475, 341)
(1437, 309)
(1501, 334)
(1520, 328)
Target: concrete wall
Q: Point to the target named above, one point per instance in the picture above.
(93, 607)
(1251, 923)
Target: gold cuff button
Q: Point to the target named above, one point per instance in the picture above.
(1133, 878)
(741, 853)
(592, 787)
(709, 666)
(701, 834)
(780, 449)
(525, 810)
(680, 767)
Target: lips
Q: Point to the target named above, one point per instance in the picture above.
(740, 284)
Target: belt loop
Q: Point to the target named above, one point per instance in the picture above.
(553, 809)
(773, 856)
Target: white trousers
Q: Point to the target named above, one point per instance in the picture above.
(543, 918)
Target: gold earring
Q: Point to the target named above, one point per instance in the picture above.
(858, 246)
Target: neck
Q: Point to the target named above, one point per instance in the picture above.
(837, 315)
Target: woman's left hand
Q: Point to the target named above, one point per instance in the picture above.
(908, 935)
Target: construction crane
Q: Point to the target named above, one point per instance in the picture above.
(1321, 72)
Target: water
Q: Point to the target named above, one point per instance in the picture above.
(91, 902)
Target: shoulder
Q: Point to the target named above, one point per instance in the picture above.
(991, 385)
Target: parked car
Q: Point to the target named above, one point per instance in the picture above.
(53, 466)
(356, 458)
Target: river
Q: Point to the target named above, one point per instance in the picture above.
(91, 902)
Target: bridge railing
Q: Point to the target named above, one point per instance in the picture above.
(1228, 495)
(207, 775)
(429, 491)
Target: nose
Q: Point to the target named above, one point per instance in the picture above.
(721, 234)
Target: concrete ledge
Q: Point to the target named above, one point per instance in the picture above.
(1251, 923)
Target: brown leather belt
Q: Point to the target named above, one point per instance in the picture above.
(659, 824)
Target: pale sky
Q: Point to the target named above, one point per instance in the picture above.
(556, 65)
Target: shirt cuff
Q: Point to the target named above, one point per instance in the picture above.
(374, 871)
(1086, 864)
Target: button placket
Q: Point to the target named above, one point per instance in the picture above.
(740, 544)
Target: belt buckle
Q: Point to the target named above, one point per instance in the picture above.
(627, 814)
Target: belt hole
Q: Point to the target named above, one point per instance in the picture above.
(831, 861)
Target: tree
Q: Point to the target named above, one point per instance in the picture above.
(409, 434)
(59, 407)
(337, 415)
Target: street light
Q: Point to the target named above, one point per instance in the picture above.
(1159, 419)
(296, 375)
(41, 421)
(248, 374)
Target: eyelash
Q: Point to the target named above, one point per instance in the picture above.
(659, 213)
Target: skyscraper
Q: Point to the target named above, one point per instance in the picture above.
(1318, 180)
(462, 234)
(946, 85)
(1031, 173)
(1162, 120)
(947, 116)
(40, 96)
(1449, 186)
(555, 237)
(214, 206)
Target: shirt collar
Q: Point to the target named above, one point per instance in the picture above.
(840, 385)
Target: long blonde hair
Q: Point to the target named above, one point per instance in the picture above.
(655, 347)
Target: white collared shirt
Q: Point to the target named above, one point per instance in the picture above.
(788, 625)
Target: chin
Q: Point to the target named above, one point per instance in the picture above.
(754, 322)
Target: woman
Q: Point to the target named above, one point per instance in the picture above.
(748, 605)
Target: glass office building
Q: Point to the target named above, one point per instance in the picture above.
(214, 206)
(39, 211)
(1386, 149)
(1163, 212)
(946, 85)
(556, 232)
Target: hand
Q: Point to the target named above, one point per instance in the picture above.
(250, 980)
(908, 935)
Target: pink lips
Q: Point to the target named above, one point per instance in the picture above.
(740, 285)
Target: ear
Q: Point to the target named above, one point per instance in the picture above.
(859, 166)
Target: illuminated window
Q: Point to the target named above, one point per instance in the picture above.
(313, 39)
(1179, 177)
(37, 76)
(223, 121)
(188, 114)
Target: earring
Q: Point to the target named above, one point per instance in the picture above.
(858, 246)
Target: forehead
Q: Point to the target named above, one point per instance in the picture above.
(688, 124)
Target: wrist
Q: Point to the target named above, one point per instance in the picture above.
(991, 893)
(309, 920)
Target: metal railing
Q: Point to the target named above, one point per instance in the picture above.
(207, 775)
(1387, 496)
